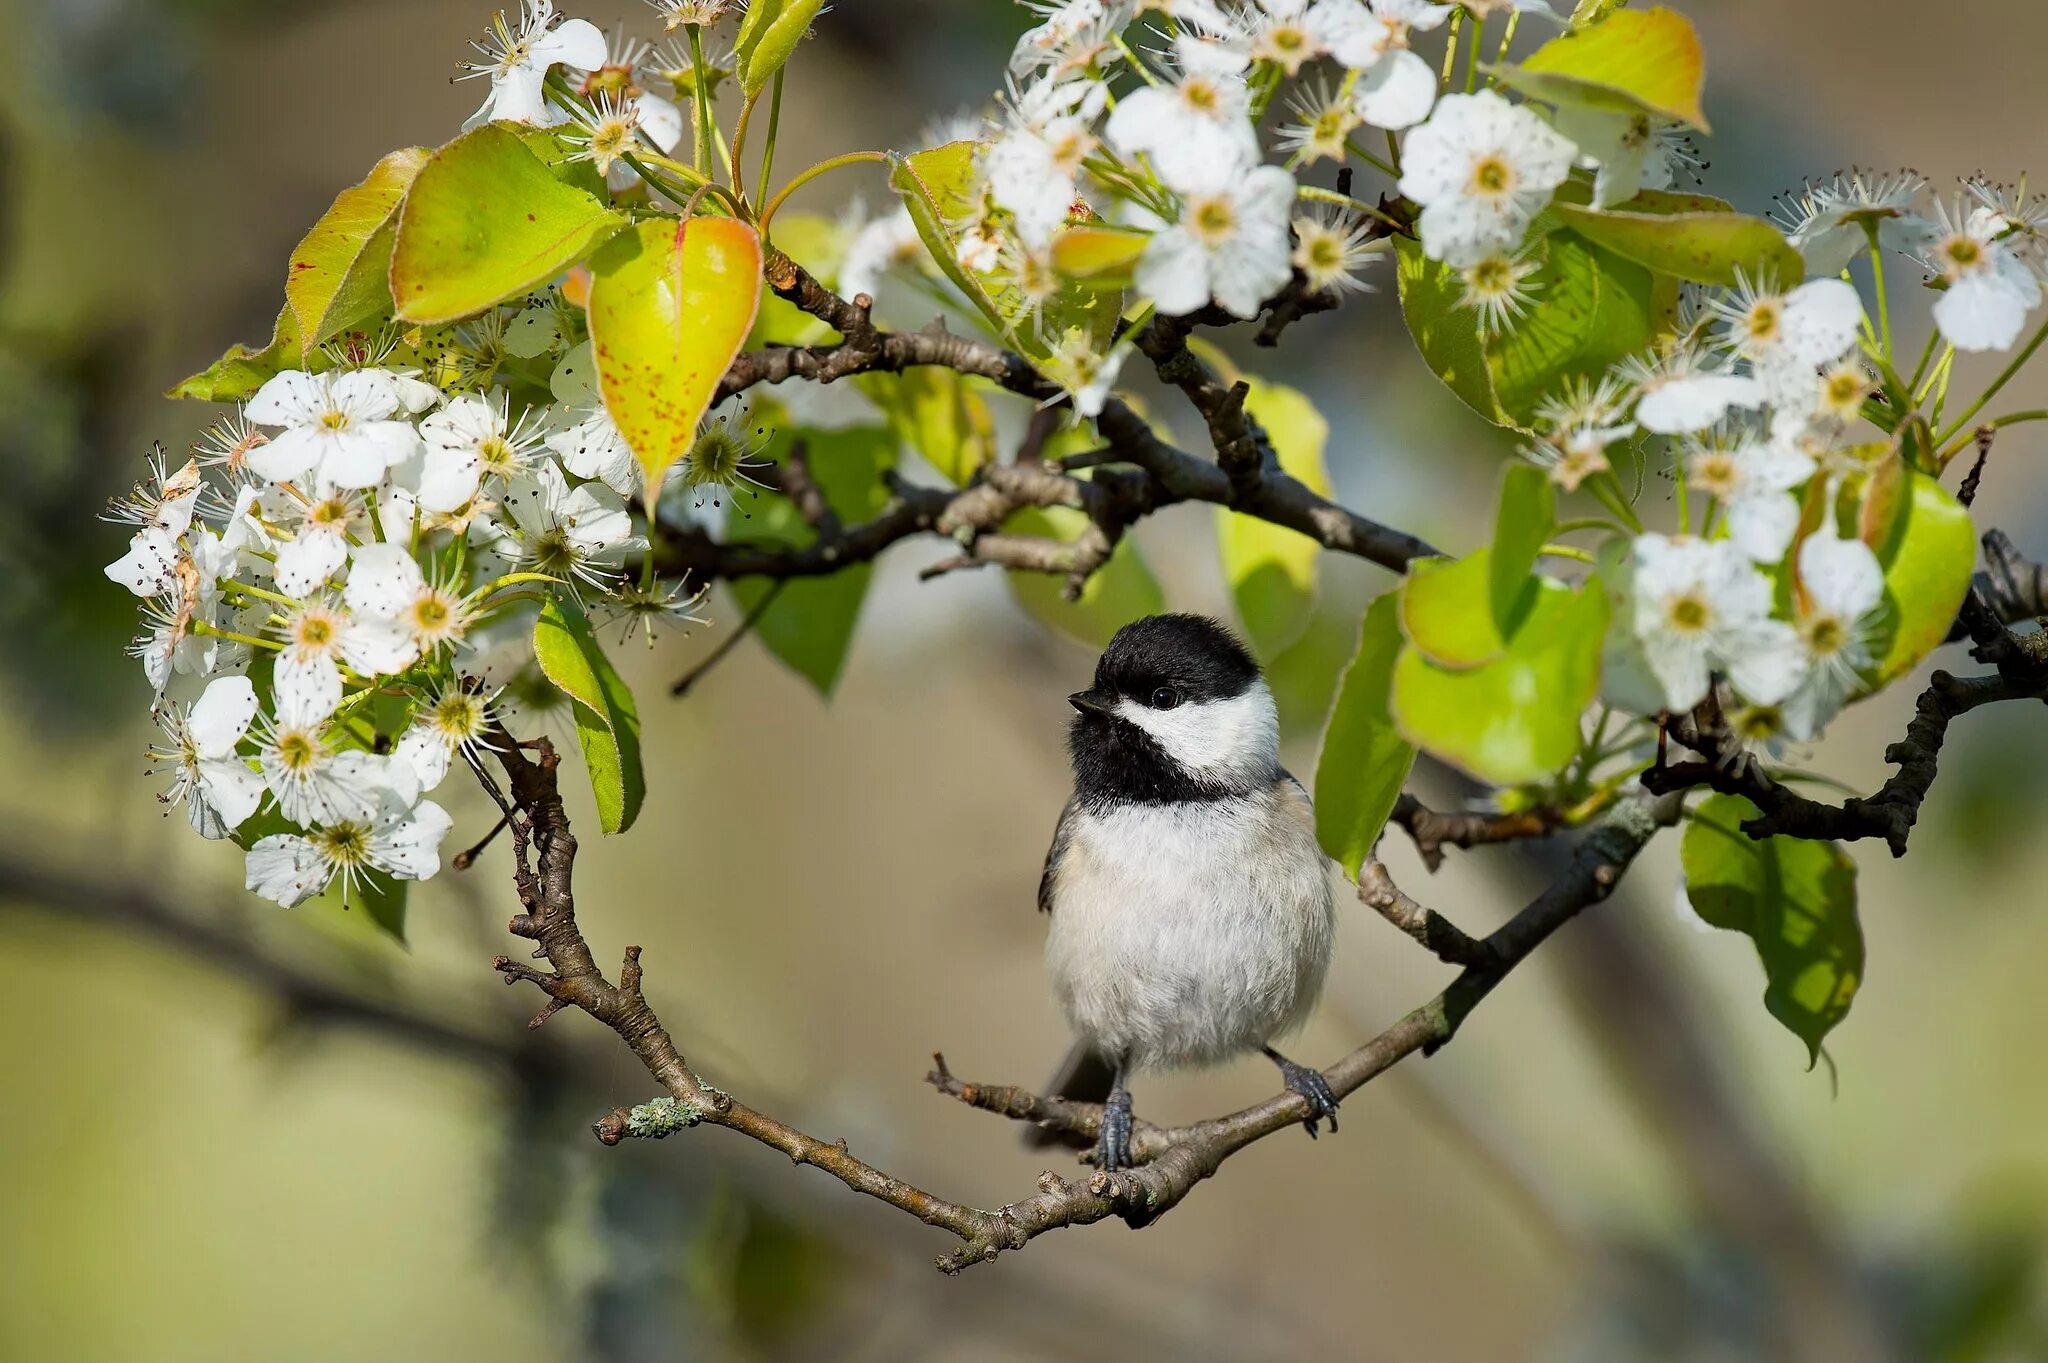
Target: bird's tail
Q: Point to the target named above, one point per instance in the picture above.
(1084, 1077)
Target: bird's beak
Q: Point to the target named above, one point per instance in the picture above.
(1087, 701)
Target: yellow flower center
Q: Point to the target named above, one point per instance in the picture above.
(1826, 635)
(1688, 614)
(333, 419)
(296, 750)
(1492, 176)
(1212, 220)
(346, 843)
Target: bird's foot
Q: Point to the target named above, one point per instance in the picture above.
(1113, 1147)
(1310, 1084)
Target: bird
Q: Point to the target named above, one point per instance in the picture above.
(1190, 902)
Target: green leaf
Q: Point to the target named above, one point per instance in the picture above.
(1121, 591)
(1514, 719)
(486, 220)
(1794, 898)
(937, 187)
(1105, 257)
(341, 271)
(1590, 308)
(1929, 554)
(236, 376)
(607, 721)
(1704, 247)
(810, 625)
(1528, 510)
(671, 303)
(1272, 570)
(1631, 61)
(768, 35)
(1447, 610)
(1365, 761)
(940, 414)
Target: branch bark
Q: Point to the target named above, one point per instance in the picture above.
(1174, 1160)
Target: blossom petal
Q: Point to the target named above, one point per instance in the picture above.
(221, 715)
(1397, 93)
(284, 867)
(412, 850)
(308, 561)
(382, 580)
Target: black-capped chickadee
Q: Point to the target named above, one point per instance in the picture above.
(1191, 906)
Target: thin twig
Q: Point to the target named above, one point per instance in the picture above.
(730, 641)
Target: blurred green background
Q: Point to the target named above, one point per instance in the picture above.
(232, 1133)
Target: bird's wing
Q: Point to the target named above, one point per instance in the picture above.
(1060, 835)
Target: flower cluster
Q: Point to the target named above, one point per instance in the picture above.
(1984, 247)
(1760, 399)
(339, 584)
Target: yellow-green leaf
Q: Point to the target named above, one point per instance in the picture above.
(936, 186)
(1704, 247)
(768, 36)
(1271, 569)
(671, 303)
(1103, 256)
(940, 414)
(1514, 719)
(1929, 554)
(607, 721)
(1528, 509)
(341, 271)
(1447, 610)
(1631, 61)
(1365, 760)
(1795, 899)
(1590, 308)
(486, 220)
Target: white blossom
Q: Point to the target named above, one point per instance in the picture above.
(337, 427)
(1787, 337)
(1396, 87)
(1753, 482)
(1231, 244)
(217, 787)
(1700, 604)
(1482, 168)
(517, 60)
(1197, 132)
(399, 839)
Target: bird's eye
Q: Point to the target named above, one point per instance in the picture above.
(1164, 698)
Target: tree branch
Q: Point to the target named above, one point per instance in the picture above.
(1152, 473)
(1175, 1160)
(1888, 813)
(1433, 831)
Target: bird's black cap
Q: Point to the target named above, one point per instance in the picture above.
(1115, 761)
(1191, 652)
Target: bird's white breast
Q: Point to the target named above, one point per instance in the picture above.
(1183, 933)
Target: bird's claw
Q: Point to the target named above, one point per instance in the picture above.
(1113, 1147)
(1310, 1084)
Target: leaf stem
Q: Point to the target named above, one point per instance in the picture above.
(702, 91)
(2005, 376)
(1884, 310)
(774, 127)
(1351, 145)
(852, 158)
(200, 627)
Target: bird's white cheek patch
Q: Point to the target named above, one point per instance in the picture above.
(1218, 738)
